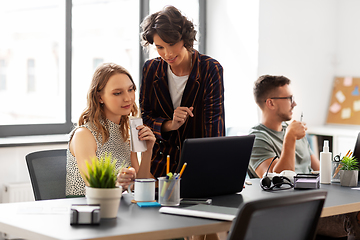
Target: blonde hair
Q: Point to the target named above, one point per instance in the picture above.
(94, 112)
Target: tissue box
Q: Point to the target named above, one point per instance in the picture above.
(306, 181)
(85, 214)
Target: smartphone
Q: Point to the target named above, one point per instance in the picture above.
(196, 200)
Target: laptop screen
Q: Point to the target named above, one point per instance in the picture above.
(215, 165)
(356, 153)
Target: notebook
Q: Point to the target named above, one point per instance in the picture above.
(215, 165)
(203, 211)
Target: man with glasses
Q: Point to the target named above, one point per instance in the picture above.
(274, 137)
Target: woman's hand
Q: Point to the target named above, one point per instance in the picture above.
(125, 177)
(180, 115)
(145, 134)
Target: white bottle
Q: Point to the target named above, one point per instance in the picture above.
(325, 164)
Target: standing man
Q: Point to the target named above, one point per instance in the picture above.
(274, 137)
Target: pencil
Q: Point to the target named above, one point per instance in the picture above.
(337, 170)
(182, 169)
(347, 153)
(127, 168)
(167, 164)
(175, 181)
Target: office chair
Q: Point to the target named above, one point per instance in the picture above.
(292, 216)
(47, 171)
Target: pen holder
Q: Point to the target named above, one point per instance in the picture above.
(334, 166)
(169, 191)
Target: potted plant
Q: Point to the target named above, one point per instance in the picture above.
(102, 189)
(349, 172)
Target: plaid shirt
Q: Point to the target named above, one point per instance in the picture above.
(204, 91)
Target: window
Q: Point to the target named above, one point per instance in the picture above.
(48, 59)
(103, 31)
(32, 79)
(97, 62)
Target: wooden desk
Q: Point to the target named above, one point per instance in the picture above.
(50, 219)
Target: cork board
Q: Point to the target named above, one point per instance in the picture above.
(344, 106)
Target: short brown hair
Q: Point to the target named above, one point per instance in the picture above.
(267, 84)
(170, 25)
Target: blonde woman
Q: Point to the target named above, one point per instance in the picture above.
(103, 127)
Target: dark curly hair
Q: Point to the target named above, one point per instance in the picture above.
(266, 85)
(170, 25)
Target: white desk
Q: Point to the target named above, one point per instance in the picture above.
(25, 220)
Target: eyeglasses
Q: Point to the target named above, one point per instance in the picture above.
(291, 98)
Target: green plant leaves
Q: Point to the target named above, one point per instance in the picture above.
(349, 163)
(102, 172)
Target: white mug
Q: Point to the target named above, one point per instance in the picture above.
(144, 189)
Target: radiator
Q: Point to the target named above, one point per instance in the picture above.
(17, 192)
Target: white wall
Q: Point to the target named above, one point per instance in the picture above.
(232, 39)
(309, 41)
(298, 39)
(13, 168)
(348, 38)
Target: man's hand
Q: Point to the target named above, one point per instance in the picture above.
(296, 129)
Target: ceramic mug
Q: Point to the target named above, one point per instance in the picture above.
(144, 189)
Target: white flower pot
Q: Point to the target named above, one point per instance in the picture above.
(108, 198)
(349, 178)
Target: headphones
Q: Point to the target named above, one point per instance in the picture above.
(277, 181)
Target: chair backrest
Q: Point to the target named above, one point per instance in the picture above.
(292, 216)
(47, 171)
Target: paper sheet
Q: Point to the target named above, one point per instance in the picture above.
(340, 96)
(335, 107)
(135, 144)
(356, 105)
(346, 113)
(348, 81)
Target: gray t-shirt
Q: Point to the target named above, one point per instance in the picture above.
(268, 143)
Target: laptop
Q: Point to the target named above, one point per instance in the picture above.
(215, 165)
(356, 152)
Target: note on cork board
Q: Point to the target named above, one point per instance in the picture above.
(344, 106)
